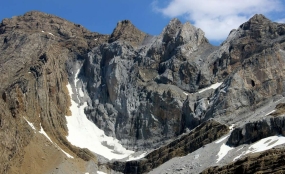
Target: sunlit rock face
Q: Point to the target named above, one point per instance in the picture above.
(130, 91)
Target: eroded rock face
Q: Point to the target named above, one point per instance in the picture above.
(252, 132)
(136, 91)
(34, 50)
(252, 60)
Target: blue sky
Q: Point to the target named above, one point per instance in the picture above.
(215, 17)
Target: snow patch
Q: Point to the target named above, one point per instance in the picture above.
(223, 151)
(267, 143)
(227, 135)
(153, 117)
(243, 153)
(270, 112)
(42, 131)
(132, 158)
(222, 139)
(85, 134)
(100, 172)
(75, 83)
(30, 124)
(50, 34)
(185, 93)
(81, 93)
(264, 144)
(232, 127)
(213, 86)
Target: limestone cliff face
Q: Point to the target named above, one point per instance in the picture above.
(34, 50)
(136, 88)
(144, 89)
(252, 63)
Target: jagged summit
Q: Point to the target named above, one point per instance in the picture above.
(259, 18)
(183, 33)
(126, 31)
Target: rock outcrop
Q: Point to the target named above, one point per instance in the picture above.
(254, 131)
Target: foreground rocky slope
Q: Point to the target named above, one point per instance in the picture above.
(271, 161)
(143, 90)
(182, 146)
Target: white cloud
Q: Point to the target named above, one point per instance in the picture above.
(218, 17)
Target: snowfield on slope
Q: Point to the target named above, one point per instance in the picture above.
(215, 153)
(85, 134)
(263, 145)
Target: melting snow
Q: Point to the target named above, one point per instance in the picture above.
(81, 93)
(270, 112)
(154, 117)
(100, 172)
(42, 131)
(31, 124)
(267, 143)
(226, 136)
(131, 158)
(232, 127)
(243, 153)
(85, 134)
(264, 144)
(222, 139)
(185, 93)
(213, 86)
(223, 151)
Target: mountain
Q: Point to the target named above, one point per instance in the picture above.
(75, 101)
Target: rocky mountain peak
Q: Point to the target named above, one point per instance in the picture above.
(171, 30)
(258, 18)
(126, 31)
(256, 23)
(182, 33)
(53, 28)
